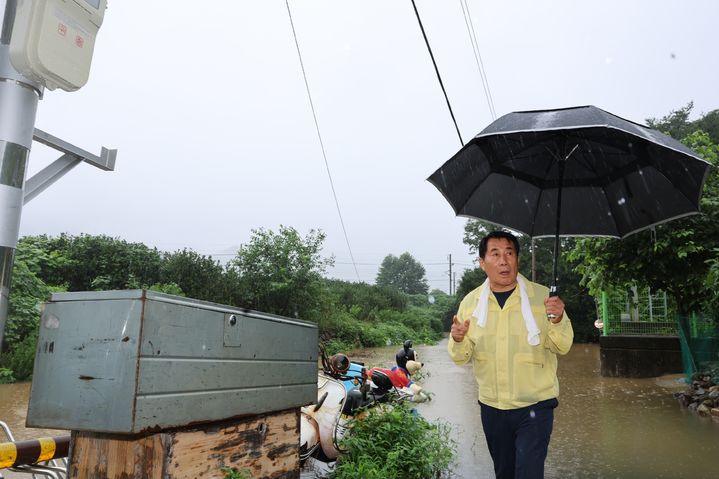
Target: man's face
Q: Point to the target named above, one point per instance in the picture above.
(501, 264)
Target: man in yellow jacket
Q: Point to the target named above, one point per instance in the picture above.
(512, 331)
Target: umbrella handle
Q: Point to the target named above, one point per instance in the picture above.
(552, 292)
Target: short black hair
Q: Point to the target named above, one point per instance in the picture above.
(498, 235)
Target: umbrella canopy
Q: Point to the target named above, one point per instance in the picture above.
(577, 171)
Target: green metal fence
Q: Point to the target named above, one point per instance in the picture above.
(637, 311)
(640, 311)
(699, 336)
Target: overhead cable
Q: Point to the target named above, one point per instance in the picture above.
(322, 145)
(439, 77)
(478, 57)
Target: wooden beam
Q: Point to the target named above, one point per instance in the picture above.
(264, 447)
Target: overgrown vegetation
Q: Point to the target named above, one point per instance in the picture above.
(232, 473)
(275, 272)
(395, 442)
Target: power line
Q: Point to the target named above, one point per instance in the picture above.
(319, 136)
(439, 77)
(478, 57)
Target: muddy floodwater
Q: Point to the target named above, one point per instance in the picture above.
(604, 427)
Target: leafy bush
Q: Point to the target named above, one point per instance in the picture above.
(372, 337)
(363, 301)
(168, 288)
(26, 295)
(6, 376)
(21, 358)
(88, 262)
(333, 346)
(232, 473)
(197, 275)
(395, 333)
(281, 272)
(395, 443)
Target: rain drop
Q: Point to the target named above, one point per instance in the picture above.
(621, 201)
(532, 414)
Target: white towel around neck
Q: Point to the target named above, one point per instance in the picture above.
(480, 312)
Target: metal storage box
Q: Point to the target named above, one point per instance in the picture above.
(134, 361)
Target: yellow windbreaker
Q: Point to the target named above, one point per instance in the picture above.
(510, 372)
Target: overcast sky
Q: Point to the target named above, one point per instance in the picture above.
(206, 104)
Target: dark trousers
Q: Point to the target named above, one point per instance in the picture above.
(518, 438)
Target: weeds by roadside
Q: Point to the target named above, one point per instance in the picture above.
(395, 442)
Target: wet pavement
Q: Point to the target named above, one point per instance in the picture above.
(604, 427)
(454, 401)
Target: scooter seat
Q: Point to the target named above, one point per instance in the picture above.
(381, 381)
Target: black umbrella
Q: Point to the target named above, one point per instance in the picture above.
(572, 172)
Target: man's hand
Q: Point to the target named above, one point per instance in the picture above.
(459, 330)
(555, 309)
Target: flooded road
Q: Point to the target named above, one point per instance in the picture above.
(604, 427)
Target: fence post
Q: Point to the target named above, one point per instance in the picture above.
(694, 327)
(605, 313)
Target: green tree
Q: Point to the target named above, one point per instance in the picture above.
(677, 125)
(88, 262)
(709, 123)
(44, 257)
(281, 272)
(404, 273)
(198, 276)
(27, 294)
(364, 301)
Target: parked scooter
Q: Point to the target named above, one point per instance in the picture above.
(343, 388)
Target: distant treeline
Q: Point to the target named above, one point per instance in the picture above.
(279, 273)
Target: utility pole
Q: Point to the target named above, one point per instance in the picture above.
(454, 283)
(450, 274)
(19, 97)
(42, 45)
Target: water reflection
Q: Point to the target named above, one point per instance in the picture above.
(626, 428)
